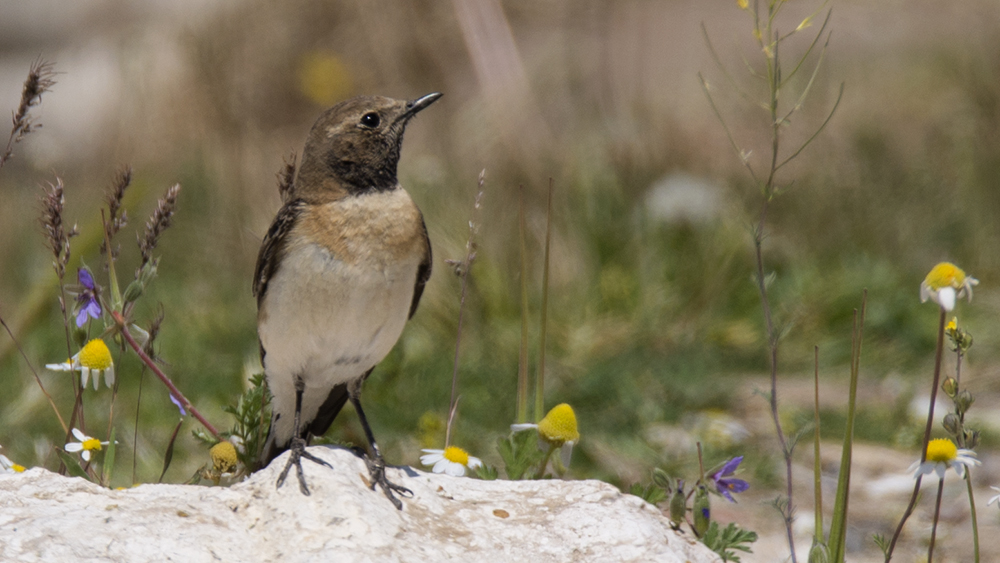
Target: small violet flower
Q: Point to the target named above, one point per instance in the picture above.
(724, 485)
(89, 304)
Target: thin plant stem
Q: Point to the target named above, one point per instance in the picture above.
(937, 514)
(163, 377)
(35, 373)
(817, 470)
(972, 510)
(522, 362)
(540, 377)
(465, 266)
(938, 356)
(545, 462)
(135, 432)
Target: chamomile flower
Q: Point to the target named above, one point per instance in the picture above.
(224, 459)
(85, 445)
(94, 358)
(450, 461)
(557, 429)
(8, 466)
(945, 283)
(941, 454)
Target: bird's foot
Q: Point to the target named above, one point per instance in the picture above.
(376, 469)
(298, 451)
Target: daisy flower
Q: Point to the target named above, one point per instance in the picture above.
(945, 283)
(94, 358)
(941, 454)
(224, 459)
(558, 429)
(8, 466)
(451, 461)
(85, 445)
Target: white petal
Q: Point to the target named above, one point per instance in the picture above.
(946, 298)
(96, 373)
(109, 376)
(520, 427)
(566, 453)
(79, 435)
(925, 292)
(84, 377)
(85, 455)
(65, 366)
(474, 462)
(940, 468)
(431, 459)
(455, 469)
(73, 447)
(441, 466)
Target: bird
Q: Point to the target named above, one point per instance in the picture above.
(339, 273)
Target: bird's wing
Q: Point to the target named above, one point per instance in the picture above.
(273, 246)
(423, 271)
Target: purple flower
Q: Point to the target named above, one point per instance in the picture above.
(177, 402)
(89, 303)
(726, 486)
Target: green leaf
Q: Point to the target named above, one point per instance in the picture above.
(519, 452)
(651, 493)
(487, 472)
(723, 540)
(72, 465)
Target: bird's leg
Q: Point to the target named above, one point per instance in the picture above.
(298, 447)
(376, 464)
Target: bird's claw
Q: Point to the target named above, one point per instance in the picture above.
(298, 451)
(376, 469)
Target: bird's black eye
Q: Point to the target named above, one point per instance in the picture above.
(370, 119)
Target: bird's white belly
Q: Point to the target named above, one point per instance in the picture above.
(329, 323)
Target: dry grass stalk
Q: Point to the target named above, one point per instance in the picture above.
(40, 80)
(157, 223)
(117, 217)
(56, 235)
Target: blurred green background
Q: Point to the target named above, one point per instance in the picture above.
(655, 332)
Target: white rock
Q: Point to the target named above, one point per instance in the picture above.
(47, 517)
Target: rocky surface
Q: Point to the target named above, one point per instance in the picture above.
(47, 517)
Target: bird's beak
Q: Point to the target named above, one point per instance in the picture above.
(413, 106)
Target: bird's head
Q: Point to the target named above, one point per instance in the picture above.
(354, 146)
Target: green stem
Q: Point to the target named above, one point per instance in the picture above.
(545, 462)
(817, 470)
(522, 363)
(937, 514)
(927, 434)
(972, 509)
(540, 377)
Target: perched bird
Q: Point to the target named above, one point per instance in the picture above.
(341, 270)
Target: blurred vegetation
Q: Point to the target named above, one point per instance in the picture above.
(653, 318)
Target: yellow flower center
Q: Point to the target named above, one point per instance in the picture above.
(742, 4)
(92, 444)
(17, 468)
(943, 275)
(224, 457)
(942, 450)
(95, 355)
(456, 454)
(952, 325)
(559, 425)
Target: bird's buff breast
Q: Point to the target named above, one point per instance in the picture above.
(339, 301)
